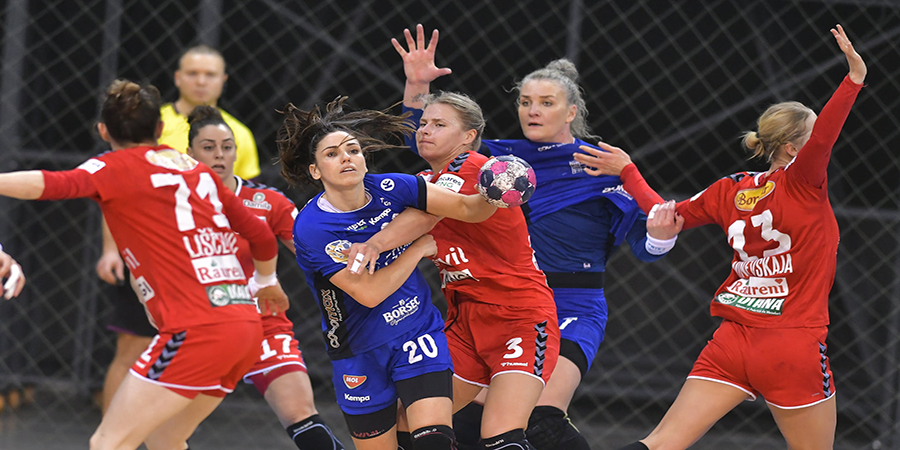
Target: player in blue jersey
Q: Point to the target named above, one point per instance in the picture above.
(382, 333)
(568, 203)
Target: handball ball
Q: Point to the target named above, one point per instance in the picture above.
(506, 181)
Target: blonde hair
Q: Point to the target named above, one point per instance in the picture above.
(468, 110)
(779, 124)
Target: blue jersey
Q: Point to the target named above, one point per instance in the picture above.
(575, 219)
(349, 328)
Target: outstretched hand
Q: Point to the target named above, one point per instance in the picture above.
(607, 161)
(857, 66)
(418, 61)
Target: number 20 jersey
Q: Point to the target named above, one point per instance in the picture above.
(165, 212)
(350, 328)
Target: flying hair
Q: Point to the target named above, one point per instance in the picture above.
(302, 131)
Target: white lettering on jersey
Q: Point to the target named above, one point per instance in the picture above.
(130, 260)
(760, 287)
(764, 267)
(144, 289)
(450, 181)
(356, 398)
(216, 269)
(402, 310)
(92, 166)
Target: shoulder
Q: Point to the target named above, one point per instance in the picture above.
(168, 111)
(265, 189)
(466, 159)
(233, 122)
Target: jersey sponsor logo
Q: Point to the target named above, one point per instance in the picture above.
(760, 287)
(356, 398)
(335, 249)
(92, 166)
(448, 276)
(451, 182)
(387, 185)
(333, 316)
(403, 309)
(171, 159)
(130, 260)
(576, 167)
(620, 190)
(208, 242)
(544, 148)
(294, 213)
(258, 202)
(354, 381)
(229, 294)
(358, 226)
(768, 266)
(516, 364)
(746, 199)
(379, 217)
(770, 306)
(215, 269)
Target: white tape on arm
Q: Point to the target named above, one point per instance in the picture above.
(356, 263)
(659, 246)
(261, 281)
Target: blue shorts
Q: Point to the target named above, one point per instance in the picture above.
(582, 317)
(364, 383)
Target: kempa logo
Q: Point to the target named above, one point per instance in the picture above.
(354, 381)
(746, 199)
(387, 184)
(356, 398)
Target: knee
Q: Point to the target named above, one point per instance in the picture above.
(550, 428)
(435, 437)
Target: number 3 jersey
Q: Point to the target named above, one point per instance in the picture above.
(320, 235)
(781, 227)
(167, 214)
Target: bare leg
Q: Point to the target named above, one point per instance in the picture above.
(509, 402)
(291, 397)
(810, 428)
(138, 408)
(699, 405)
(128, 349)
(464, 393)
(429, 411)
(173, 434)
(561, 386)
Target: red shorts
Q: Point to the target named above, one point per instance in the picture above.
(787, 366)
(486, 340)
(278, 355)
(208, 359)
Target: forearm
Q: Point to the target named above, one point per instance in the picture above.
(405, 228)
(371, 289)
(414, 93)
(24, 185)
(265, 267)
(635, 184)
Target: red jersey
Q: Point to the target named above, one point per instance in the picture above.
(491, 261)
(172, 220)
(781, 227)
(273, 208)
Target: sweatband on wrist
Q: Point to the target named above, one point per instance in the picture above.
(659, 246)
(265, 280)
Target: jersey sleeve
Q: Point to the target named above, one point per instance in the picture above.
(319, 251)
(414, 118)
(635, 184)
(80, 182)
(703, 208)
(637, 240)
(411, 190)
(263, 245)
(811, 163)
(283, 214)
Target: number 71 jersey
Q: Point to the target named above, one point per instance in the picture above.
(785, 238)
(167, 215)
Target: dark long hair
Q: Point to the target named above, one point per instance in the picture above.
(302, 131)
(131, 112)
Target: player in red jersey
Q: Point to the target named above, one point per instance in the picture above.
(501, 320)
(775, 301)
(172, 219)
(279, 373)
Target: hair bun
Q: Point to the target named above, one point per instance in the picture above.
(565, 67)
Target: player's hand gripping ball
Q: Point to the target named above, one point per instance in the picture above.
(506, 181)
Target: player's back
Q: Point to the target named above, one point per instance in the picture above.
(165, 213)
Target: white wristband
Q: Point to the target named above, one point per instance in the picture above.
(265, 280)
(659, 246)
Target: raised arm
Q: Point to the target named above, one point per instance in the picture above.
(811, 163)
(418, 65)
(371, 289)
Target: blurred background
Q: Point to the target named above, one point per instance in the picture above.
(673, 82)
